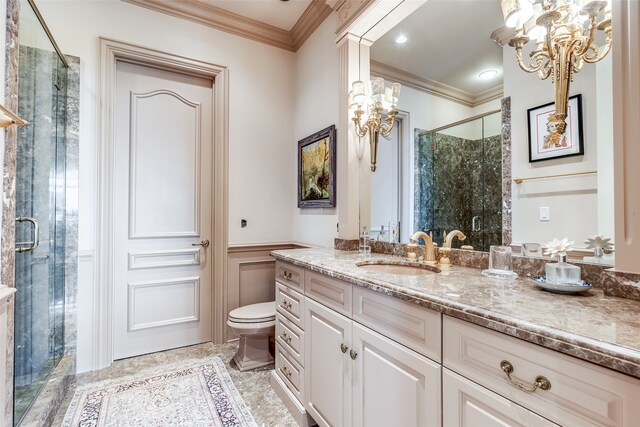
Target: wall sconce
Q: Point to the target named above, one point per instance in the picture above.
(564, 31)
(370, 103)
(8, 118)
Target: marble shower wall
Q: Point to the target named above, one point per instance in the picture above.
(456, 180)
(66, 265)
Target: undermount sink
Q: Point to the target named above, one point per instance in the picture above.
(397, 268)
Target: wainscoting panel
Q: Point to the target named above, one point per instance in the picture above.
(251, 275)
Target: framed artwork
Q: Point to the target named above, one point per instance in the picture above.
(545, 142)
(317, 169)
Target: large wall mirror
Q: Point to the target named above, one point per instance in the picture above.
(448, 164)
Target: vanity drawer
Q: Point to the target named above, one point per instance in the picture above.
(290, 337)
(581, 394)
(290, 303)
(328, 291)
(466, 404)
(416, 327)
(291, 373)
(290, 275)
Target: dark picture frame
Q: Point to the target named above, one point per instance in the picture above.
(317, 169)
(544, 143)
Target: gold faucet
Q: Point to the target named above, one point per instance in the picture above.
(449, 238)
(429, 247)
(445, 262)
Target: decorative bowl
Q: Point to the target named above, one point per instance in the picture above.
(564, 288)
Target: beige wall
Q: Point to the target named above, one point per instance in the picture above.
(316, 107)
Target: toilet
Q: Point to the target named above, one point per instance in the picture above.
(254, 324)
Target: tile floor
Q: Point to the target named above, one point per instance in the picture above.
(266, 408)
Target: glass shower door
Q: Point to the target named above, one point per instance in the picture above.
(459, 182)
(40, 213)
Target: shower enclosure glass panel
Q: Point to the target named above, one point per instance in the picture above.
(40, 212)
(458, 182)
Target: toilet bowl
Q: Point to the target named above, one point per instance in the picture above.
(254, 324)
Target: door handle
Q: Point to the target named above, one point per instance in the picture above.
(36, 235)
(474, 223)
(204, 243)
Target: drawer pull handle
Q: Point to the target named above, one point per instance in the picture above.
(286, 372)
(343, 348)
(285, 337)
(286, 305)
(540, 381)
(353, 354)
(286, 274)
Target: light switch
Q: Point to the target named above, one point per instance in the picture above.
(545, 214)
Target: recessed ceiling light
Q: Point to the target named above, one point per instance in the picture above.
(488, 74)
(401, 39)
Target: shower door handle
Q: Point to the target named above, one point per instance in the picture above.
(474, 223)
(36, 235)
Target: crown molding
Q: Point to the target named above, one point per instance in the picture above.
(233, 23)
(434, 87)
(313, 16)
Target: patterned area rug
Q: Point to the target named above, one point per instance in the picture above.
(193, 397)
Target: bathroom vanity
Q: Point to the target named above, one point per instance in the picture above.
(365, 348)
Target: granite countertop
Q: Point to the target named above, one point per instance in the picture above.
(591, 326)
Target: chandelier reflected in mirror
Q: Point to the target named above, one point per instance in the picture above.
(565, 32)
(374, 111)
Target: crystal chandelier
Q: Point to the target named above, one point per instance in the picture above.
(565, 31)
(369, 104)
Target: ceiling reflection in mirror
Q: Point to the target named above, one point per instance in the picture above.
(449, 164)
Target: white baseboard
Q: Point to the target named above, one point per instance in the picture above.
(291, 402)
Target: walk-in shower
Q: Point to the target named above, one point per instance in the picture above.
(458, 181)
(40, 211)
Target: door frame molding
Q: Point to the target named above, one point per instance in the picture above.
(112, 51)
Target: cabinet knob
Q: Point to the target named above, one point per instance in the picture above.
(286, 372)
(286, 305)
(353, 354)
(286, 274)
(285, 337)
(343, 348)
(540, 382)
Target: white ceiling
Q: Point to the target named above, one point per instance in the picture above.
(281, 14)
(448, 41)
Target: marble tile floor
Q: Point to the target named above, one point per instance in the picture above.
(254, 387)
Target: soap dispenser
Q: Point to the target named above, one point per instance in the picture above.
(561, 272)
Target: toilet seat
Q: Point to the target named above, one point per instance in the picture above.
(254, 314)
(252, 326)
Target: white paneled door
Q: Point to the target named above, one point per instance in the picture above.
(163, 210)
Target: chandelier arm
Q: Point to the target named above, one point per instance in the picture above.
(591, 59)
(584, 48)
(544, 72)
(360, 131)
(539, 61)
(576, 64)
(521, 63)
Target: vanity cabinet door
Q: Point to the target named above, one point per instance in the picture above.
(467, 404)
(327, 389)
(393, 385)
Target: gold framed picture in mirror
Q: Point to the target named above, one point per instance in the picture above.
(546, 141)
